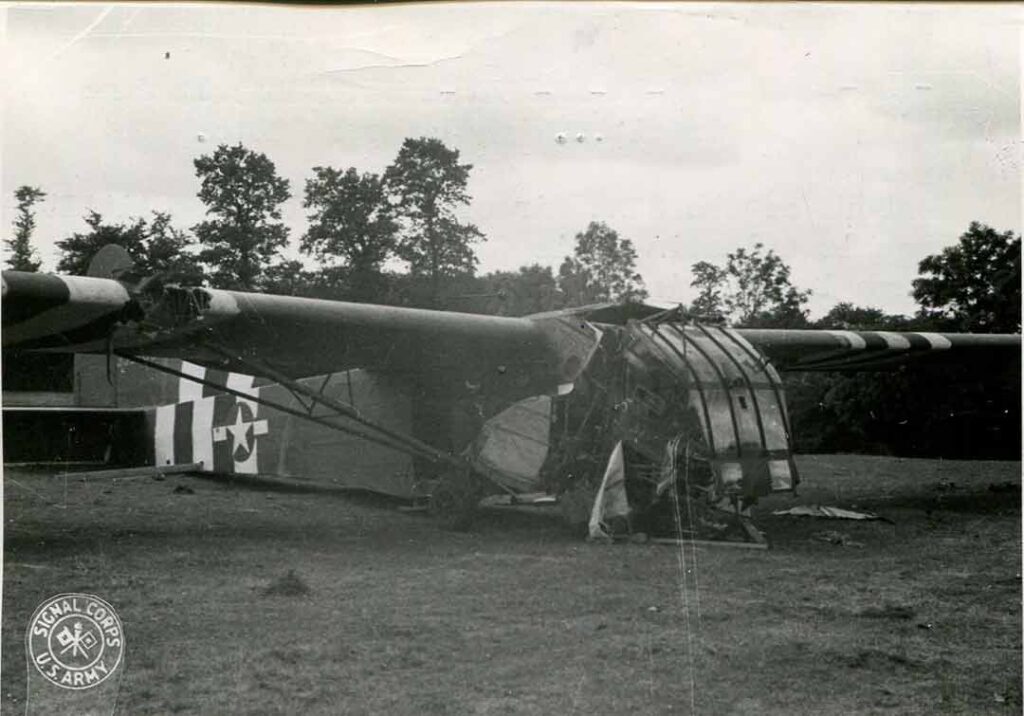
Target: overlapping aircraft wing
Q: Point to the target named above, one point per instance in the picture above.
(301, 337)
(828, 350)
(296, 337)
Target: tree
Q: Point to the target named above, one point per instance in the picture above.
(427, 184)
(243, 194)
(167, 251)
(530, 289)
(78, 249)
(350, 220)
(291, 278)
(959, 410)
(710, 280)
(156, 247)
(848, 317)
(752, 289)
(22, 256)
(601, 269)
(858, 412)
(974, 285)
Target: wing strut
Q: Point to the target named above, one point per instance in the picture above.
(264, 370)
(383, 436)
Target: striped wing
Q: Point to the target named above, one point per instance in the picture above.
(303, 337)
(806, 350)
(297, 337)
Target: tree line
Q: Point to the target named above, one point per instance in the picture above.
(971, 286)
(394, 237)
(397, 238)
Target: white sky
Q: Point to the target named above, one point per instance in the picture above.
(852, 139)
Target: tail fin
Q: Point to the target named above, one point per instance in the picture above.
(111, 261)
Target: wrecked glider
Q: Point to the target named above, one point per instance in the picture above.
(619, 410)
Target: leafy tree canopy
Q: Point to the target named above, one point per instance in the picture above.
(243, 195)
(426, 185)
(601, 269)
(291, 278)
(848, 317)
(155, 246)
(960, 410)
(21, 256)
(753, 288)
(350, 221)
(974, 285)
(530, 289)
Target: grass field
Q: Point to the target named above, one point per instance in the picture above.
(920, 615)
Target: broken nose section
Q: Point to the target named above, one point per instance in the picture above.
(168, 306)
(155, 305)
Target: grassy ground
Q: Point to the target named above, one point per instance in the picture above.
(921, 615)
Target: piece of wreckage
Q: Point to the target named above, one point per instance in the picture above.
(637, 419)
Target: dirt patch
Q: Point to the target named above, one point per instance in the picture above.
(288, 585)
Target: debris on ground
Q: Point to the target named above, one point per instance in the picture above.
(525, 498)
(1004, 487)
(290, 585)
(833, 513)
(184, 490)
(839, 539)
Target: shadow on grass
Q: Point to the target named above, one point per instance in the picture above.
(999, 500)
(301, 487)
(369, 520)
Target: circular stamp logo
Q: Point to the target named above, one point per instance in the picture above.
(75, 641)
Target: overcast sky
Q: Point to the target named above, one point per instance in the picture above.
(852, 139)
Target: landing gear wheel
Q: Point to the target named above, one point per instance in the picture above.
(454, 499)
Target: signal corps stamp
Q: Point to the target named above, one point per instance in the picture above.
(76, 641)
